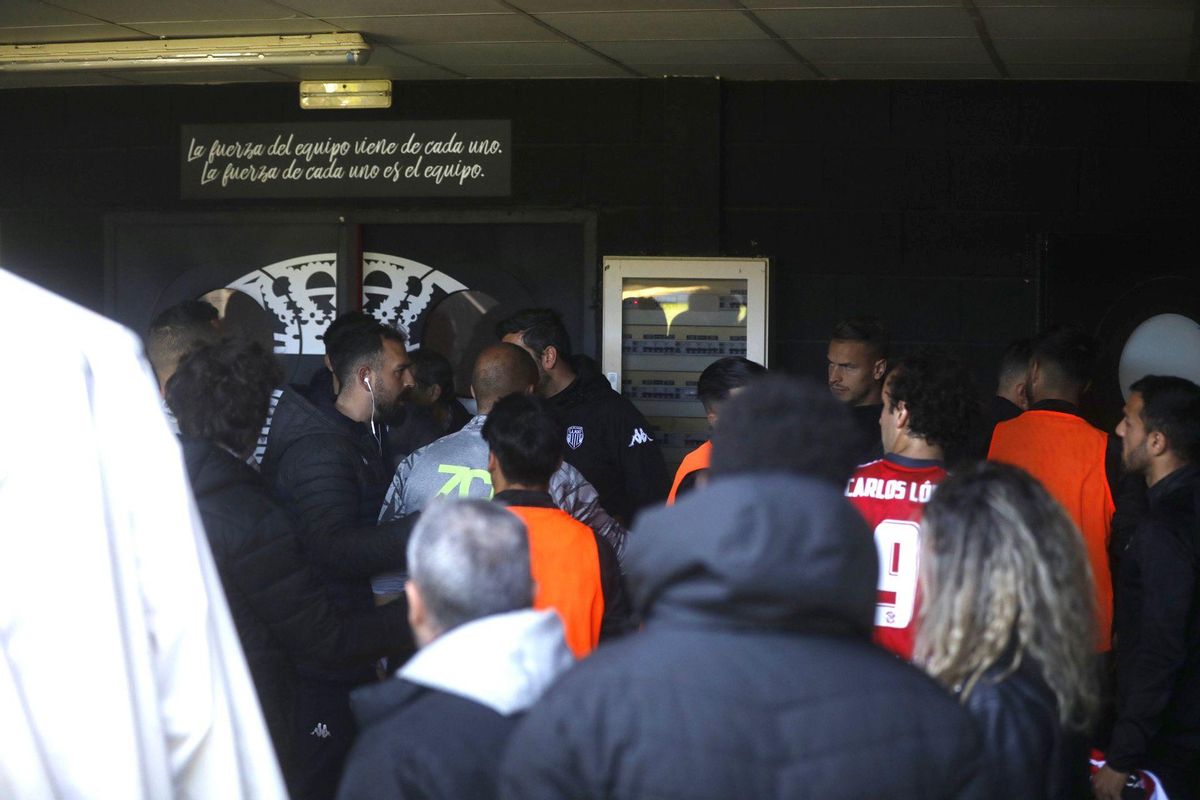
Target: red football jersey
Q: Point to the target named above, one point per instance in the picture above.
(891, 494)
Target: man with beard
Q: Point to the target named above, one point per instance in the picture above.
(1158, 599)
(324, 464)
(608, 439)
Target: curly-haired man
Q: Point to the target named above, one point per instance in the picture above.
(929, 404)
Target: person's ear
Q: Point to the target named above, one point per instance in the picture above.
(435, 392)
(880, 369)
(549, 357)
(493, 463)
(416, 605)
(1157, 443)
(1022, 397)
(328, 363)
(902, 416)
(711, 414)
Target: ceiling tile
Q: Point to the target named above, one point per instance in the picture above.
(757, 4)
(31, 13)
(714, 53)
(176, 10)
(898, 51)
(455, 55)
(553, 6)
(236, 27)
(448, 28)
(67, 33)
(900, 72)
(1093, 51)
(1089, 23)
(1099, 72)
(839, 22)
(601, 69)
(615, 26)
(385, 8)
(1085, 3)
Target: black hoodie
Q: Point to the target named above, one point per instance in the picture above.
(755, 675)
(608, 440)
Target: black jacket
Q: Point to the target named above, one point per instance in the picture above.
(1157, 621)
(282, 613)
(608, 440)
(617, 612)
(327, 471)
(417, 742)
(755, 675)
(868, 446)
(1027, 750)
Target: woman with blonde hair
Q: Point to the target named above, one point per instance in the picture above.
(1007, 625)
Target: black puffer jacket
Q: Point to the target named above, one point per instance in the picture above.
(755, 675)
(1028, 751)
(327, 471)
(283, 615)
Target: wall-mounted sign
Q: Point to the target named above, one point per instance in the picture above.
(443, 158)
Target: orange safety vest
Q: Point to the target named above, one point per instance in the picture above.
(1067, 455)
(698, 459)
(565, 563)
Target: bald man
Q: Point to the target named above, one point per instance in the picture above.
(456, 465)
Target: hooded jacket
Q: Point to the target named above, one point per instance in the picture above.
(609, 441)
(755, 675)
(282, 613)
(438, 730)
(327, 471)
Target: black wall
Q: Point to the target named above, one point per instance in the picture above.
(935, 205)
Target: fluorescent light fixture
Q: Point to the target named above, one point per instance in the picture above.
(345, 94)
(315, 48)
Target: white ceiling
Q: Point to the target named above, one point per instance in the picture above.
(733, 39)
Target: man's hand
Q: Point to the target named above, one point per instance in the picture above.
(1108, 783)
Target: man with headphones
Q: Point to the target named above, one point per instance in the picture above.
(324, 463)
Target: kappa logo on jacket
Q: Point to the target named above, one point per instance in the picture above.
(574, 436)
(639, 437)
(321, 731)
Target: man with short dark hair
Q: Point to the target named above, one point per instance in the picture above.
(754, 675)
(1010, 398)
(857, 363)
(719, 380)
(574, 568)
(608, 439)
(173, 333)
(1053, 443)
(438, 729)
(324, 465)
(929, 404)
(1158, 604)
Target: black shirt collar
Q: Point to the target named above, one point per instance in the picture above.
(1061, 406)
(524, 497)
(914, 463)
